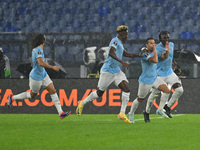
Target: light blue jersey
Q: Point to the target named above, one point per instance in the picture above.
(38, 72)
(149, 74)
(164, 66)
(111, 65)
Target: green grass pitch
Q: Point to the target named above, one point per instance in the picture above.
(98, 132)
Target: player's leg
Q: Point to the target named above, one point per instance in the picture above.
(145, 113)
(178, 92)
(164, 97)
(174, 80)
(142, 93)
(150, 100)
(154, 94)
(178, 89)
(48, 84)
(34, 86)
(125, 99)
(176, 95)
(122, 82)
(20, 96)
(92, 96)
(134, 106)
(54, 96)
(105, 80)
(96, 94)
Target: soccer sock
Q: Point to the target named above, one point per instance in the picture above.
(163, 100)
(150, 101)
(134, 106)
(23, 95)
(90, 97)
(178, 92)
(56, 102)
(125, 99)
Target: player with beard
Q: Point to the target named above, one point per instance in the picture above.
(149, 79)
(165, 51)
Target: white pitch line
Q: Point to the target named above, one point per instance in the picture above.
(107, 120)
(159, 117)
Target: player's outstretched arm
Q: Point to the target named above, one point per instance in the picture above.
(43, 64)
(131, 55)
(114, 56)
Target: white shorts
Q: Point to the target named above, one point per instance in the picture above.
(171, 79)
(144, 89)
(36, 85)
(107, 78)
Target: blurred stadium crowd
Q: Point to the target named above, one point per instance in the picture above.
(144, 18)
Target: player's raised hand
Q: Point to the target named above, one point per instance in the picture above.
(55, 68)
(143, 50)
(154, 47)
(126, 64)
(167, 46)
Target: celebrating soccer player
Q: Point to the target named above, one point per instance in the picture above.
(149, 79)
(38, 77)
(111, 72)
(165, 51)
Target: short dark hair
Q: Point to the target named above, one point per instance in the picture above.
(163, 33)
(147, 40)
(38, 40)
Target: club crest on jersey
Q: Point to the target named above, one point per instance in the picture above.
(39, 53)
(115, 43)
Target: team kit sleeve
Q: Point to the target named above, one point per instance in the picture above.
(146, 56)
(114, 44)
(38, 53)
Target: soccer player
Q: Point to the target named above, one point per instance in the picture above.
(38, 77)
(149, 79)
(165, 72)
(111, 72)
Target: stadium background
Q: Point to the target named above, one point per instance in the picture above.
(73, 25)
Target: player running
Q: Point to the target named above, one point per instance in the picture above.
(111, 72)
(165, 72)
(38, 77)
(148, 79)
